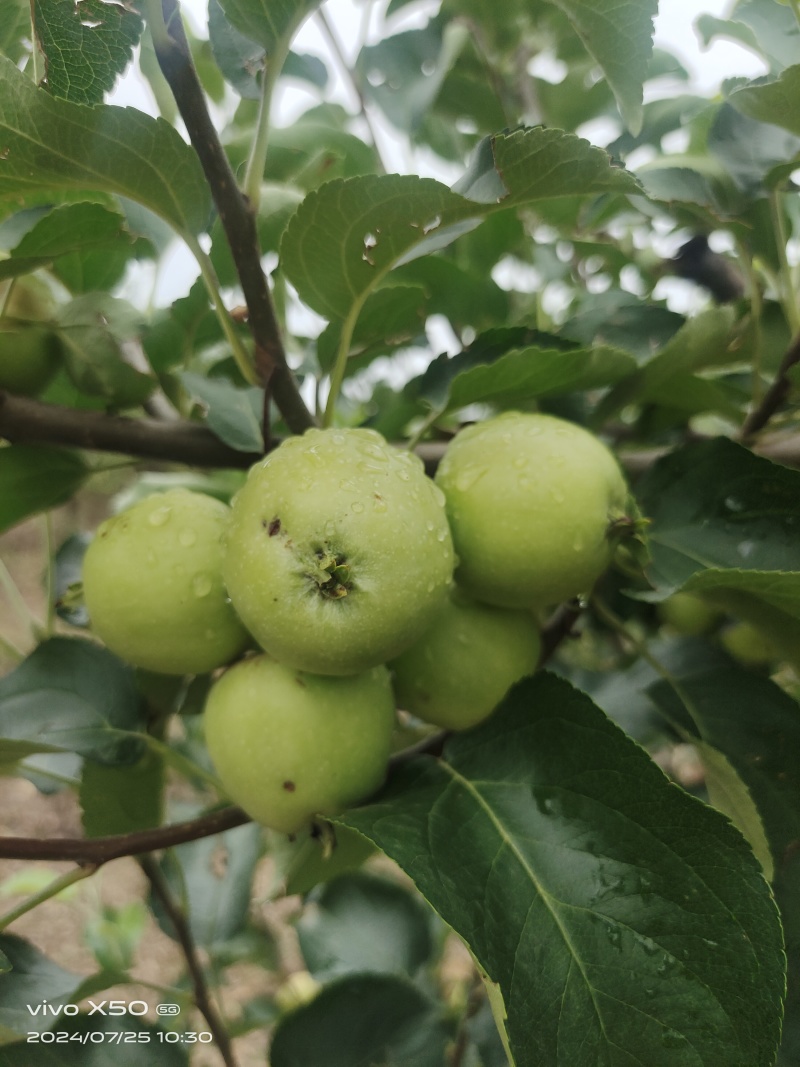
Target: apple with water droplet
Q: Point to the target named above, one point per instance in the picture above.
(338, 553)
(460, 669)
(287, 745)
(532, 501)
(152, 582)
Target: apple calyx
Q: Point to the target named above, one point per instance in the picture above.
(332, 575)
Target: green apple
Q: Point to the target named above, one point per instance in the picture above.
(338, 554)
(152, 581)
(530, 499)
(288, 745)
(457, 673)
(30, 352)
(749, 645)
(689, 614)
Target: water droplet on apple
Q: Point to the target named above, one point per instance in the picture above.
(468, 477)
(438, 495)
(201, 585)
(429, 526)
(187, 537)
(379, 504)
(330, 528)
(557, 495)
(159, 517)
(357, 507)
(210, 634)
(441, 537)
(403, 475)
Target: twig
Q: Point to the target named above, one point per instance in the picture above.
(100, 850)
(77, 874)
(775, 395)
(558, 628)
(27, 421)
(201, 994)
(349, 74)
(236, 216)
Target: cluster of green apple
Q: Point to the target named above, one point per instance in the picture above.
(366, 586)
(30, 352)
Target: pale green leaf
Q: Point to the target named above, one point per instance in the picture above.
(268, 22)
(776, 102)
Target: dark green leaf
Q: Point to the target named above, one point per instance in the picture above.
(715, 505)
(32, 979)
(240, 59)
(622, 321)
(392, 316)
(233, 413)
(83, 1051)
(73, 227)
(122, 800)
(86, 47)
(71, 695)
(214, 875)
(55, 144)
(34, 478)
(636, 925)
(753, 153)
(360, 1021)
(619, 36)
(359, 922)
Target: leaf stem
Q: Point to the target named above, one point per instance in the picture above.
(77, 874)
(244, 360)
(342, 353)
(430, 420)
(17, 600)
(254, 174)
(329, 33)
(787, 294)
(756, 311)
(184, 934)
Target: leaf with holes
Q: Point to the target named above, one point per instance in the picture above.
(624, 921)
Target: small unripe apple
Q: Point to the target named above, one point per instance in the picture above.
(460, 669)
(531, 500)
(338, 553)
(288, 745)
(30, 352)
(688, 614)
(749, 645)
(152, 581)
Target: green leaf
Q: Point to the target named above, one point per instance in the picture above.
(51, 144)
(391, 316)
(122, 800)
(71, 695)
(619, 36)
(71, 228)
(538, 372)
(268, 22)
(34, 478)
(240, 59)
(636, 925)
(80, 1050)
(759, 25)
(85, 47)
(714, 505)
(15, 24)
(360, 1021)
(234, 414)
(703, 341)
(360, 922)
(754, 154)
(776, 102)
(347, 235)
(214, 876)
(32, 979)
(67, 591)
(93, 329)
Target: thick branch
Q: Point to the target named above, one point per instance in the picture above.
(236, 217)
(184, 934)
(775, 396)
(99, 850)
(26, 421)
